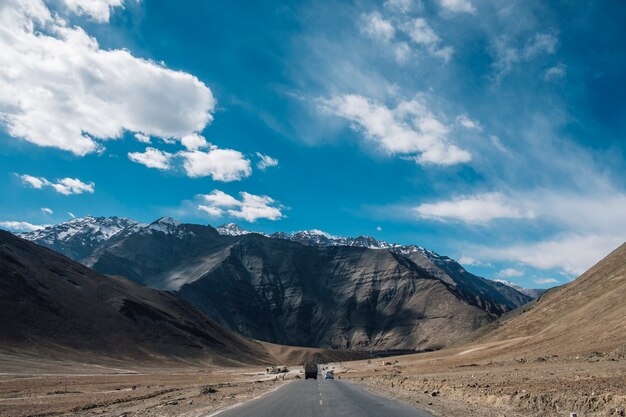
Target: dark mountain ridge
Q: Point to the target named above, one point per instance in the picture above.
(309, 288)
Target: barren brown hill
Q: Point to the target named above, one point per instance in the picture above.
(586, 315)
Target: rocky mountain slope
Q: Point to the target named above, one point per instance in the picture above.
(283, 291)
(586, 315)
(50, 303)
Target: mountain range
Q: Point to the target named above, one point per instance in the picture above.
(306, 289)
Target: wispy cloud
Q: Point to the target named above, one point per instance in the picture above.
(266, 161)
(478, 209)
(458, 6)
(507, 54)
(409, 129)
(510, 272)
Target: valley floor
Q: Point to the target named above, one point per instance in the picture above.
(485, 380)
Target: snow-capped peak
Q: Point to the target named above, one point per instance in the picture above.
(166, 225)
(96, 229)
(232, 229)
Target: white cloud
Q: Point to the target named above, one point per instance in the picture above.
(35, 182)
(65, 186)
(410, 129)
(497, 143)
(377, 27)
(556, 72)
(249, 207)
(46, 210)
(152, 158)
(20, 226)
(544, 281)
(69, 213)
(541, 43)
(220, 199)
(422, 34)
(510, 272)
(468, 123)
(458, 6)
(194, 141)
(468, 260)
(378, 228)
(478, 209)
(266, 161)
(220, 164)
(99, 10)
(572, 253)
(142, 138)
(584, 227)
(401, 52)
(59, 89)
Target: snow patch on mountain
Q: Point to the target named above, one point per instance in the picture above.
(232, 229)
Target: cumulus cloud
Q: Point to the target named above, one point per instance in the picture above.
(152, 158)
(59, 89)
(46, 210)
(377, 27)
(265, 161)
(410, 129)
(99, 10)
(478, 209)
(142, 138)
(248, 207)
(422, 34)
(220, 164)
(20, 226)
(65, 186)
(194, 141)
(458, 6)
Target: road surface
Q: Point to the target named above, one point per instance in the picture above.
(322, 398)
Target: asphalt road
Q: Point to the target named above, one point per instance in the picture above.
(317, 398)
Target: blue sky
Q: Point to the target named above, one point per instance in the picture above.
(489, 131)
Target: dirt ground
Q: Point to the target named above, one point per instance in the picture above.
(484, 380)
(488, 383)
(87, 390)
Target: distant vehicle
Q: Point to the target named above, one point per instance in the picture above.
(310, 370)
(329, 375)
(276, 369)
